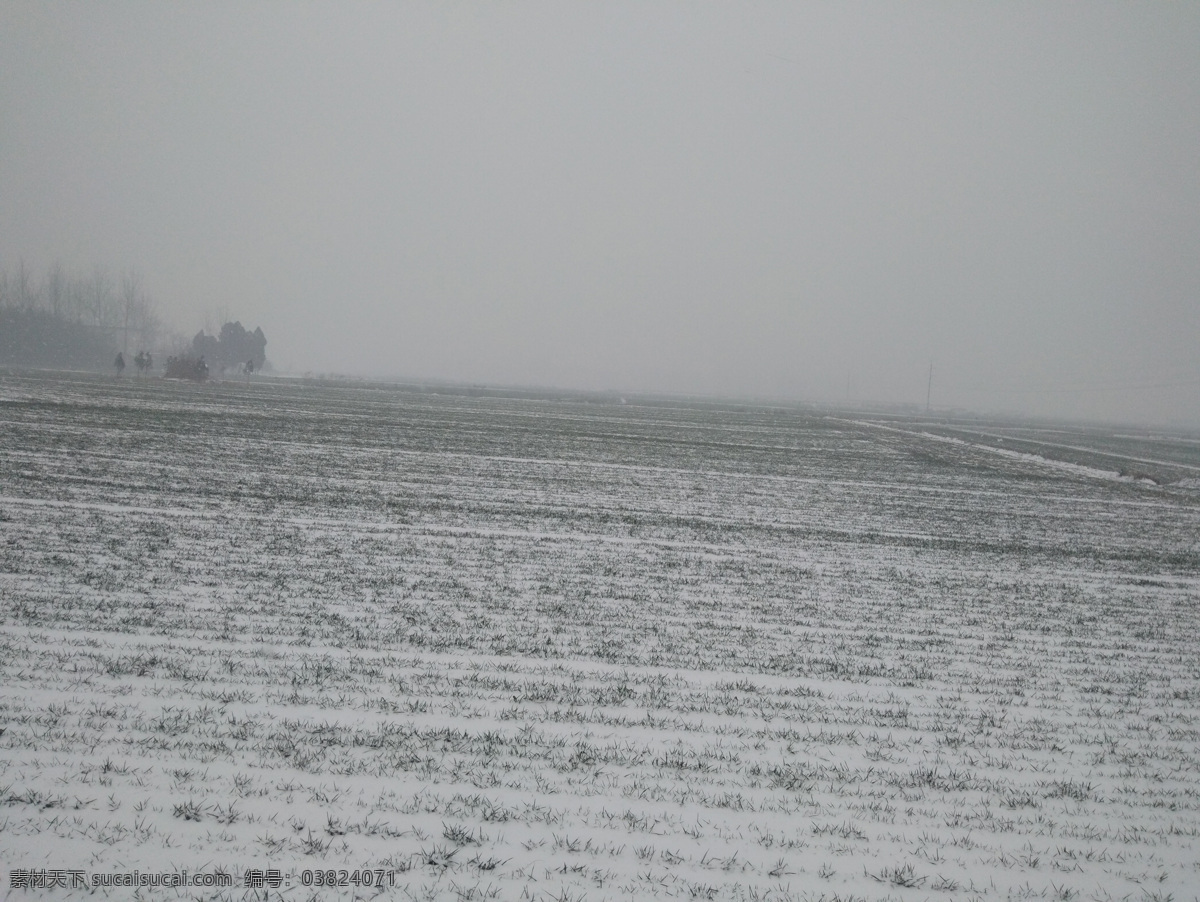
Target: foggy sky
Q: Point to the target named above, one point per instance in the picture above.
(795, 200)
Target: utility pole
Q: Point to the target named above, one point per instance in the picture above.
(929, 388)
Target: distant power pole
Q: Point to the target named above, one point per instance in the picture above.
(929, 388)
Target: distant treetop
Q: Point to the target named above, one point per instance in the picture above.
(235, 347)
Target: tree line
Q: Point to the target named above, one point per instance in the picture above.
(233, 348)
(116, 306)
(73, 320)
(95, 320)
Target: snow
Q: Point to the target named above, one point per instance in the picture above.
(506, 648)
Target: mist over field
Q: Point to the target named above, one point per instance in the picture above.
(800, 201)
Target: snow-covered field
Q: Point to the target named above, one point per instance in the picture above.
(489, 646)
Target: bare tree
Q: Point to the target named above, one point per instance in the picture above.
(77, 298)
(56, 288)
(26, 294)
(147, 323)
(151, 324)
(131, 303)
(100, 299)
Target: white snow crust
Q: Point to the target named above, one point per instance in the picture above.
(551, 649)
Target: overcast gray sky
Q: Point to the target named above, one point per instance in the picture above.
(801, 200)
